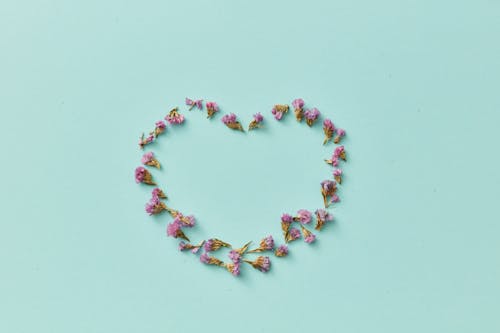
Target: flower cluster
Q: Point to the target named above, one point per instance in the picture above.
(174, 117)
(298, 106)
(311, 116)
(279, 110)
(237, 256)
(143, 176)
(155, 205)
(230, 121)
(212, 108)
(160, 127)
(256, 121)
(149, 159)
(192, 103)
(290, 233)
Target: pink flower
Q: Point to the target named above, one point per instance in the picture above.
(294, 233)
(311, 116)
(228, 118)
(193, 103)
(160, 124)
(287, 218)
(158, 193)
(147, 157)
(262, 263)
(185, 221)
(235, 256)
(281, 251)
(338, 151)
(212, 108)
(205, 258)
(298, 103)
(278, 110)
(328, 125)
(277, 115)
(258, 117)
(233, 268)
(310, 238)
(304, 216)
(174, 117)
(230, 121)
(139, 174)
(337, 172)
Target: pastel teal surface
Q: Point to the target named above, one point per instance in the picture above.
(414, 246)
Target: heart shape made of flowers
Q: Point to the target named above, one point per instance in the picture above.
(293, 227)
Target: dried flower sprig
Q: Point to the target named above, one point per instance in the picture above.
(213, 244)
(303, 216)
(328, 190)
(279, 110)
(311, 116)
(256, 121)
(230, 121)
(266, 244)
(340, 134)
(339, 152)
(183, 246)
(236, 254)
(286, 221)
(192, 103)
(149, 159)
(155, 206)
(174, 229)
(294, 234)
(143, 140)
(337, 175)
(209, 260)
(309, 237)
(160, 127)
(328, 129)
(143, 176)
(212, 108)
(298, 106)
(281, 251)
(158, 193)
(174, 117)
(322, 216)
(261, 263)
(233, 268)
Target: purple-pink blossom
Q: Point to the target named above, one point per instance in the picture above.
(281, 251)
(312, 114)
(298, 103)
(258, 117)
(193, 103)
(228, 118)
(287, 218)
(310, 238)
(140, 173)
(294, 233)
(328, 125)
(304, 216)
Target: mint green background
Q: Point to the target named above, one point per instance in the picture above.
(415, 244)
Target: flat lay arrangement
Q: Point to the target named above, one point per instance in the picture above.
(293, 226)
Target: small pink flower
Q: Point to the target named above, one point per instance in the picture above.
(230, 121)
(256, 122)
(143, 176)
(279, 110)
(281, 251)
(212, 108)
(298, 103)
(310, 238)
(174, 117)
(340, 135)
(294, 234)
(311, 116)
(303, 216)
(287, 218)
(328, 129)
(262, 263)
(192, 103)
